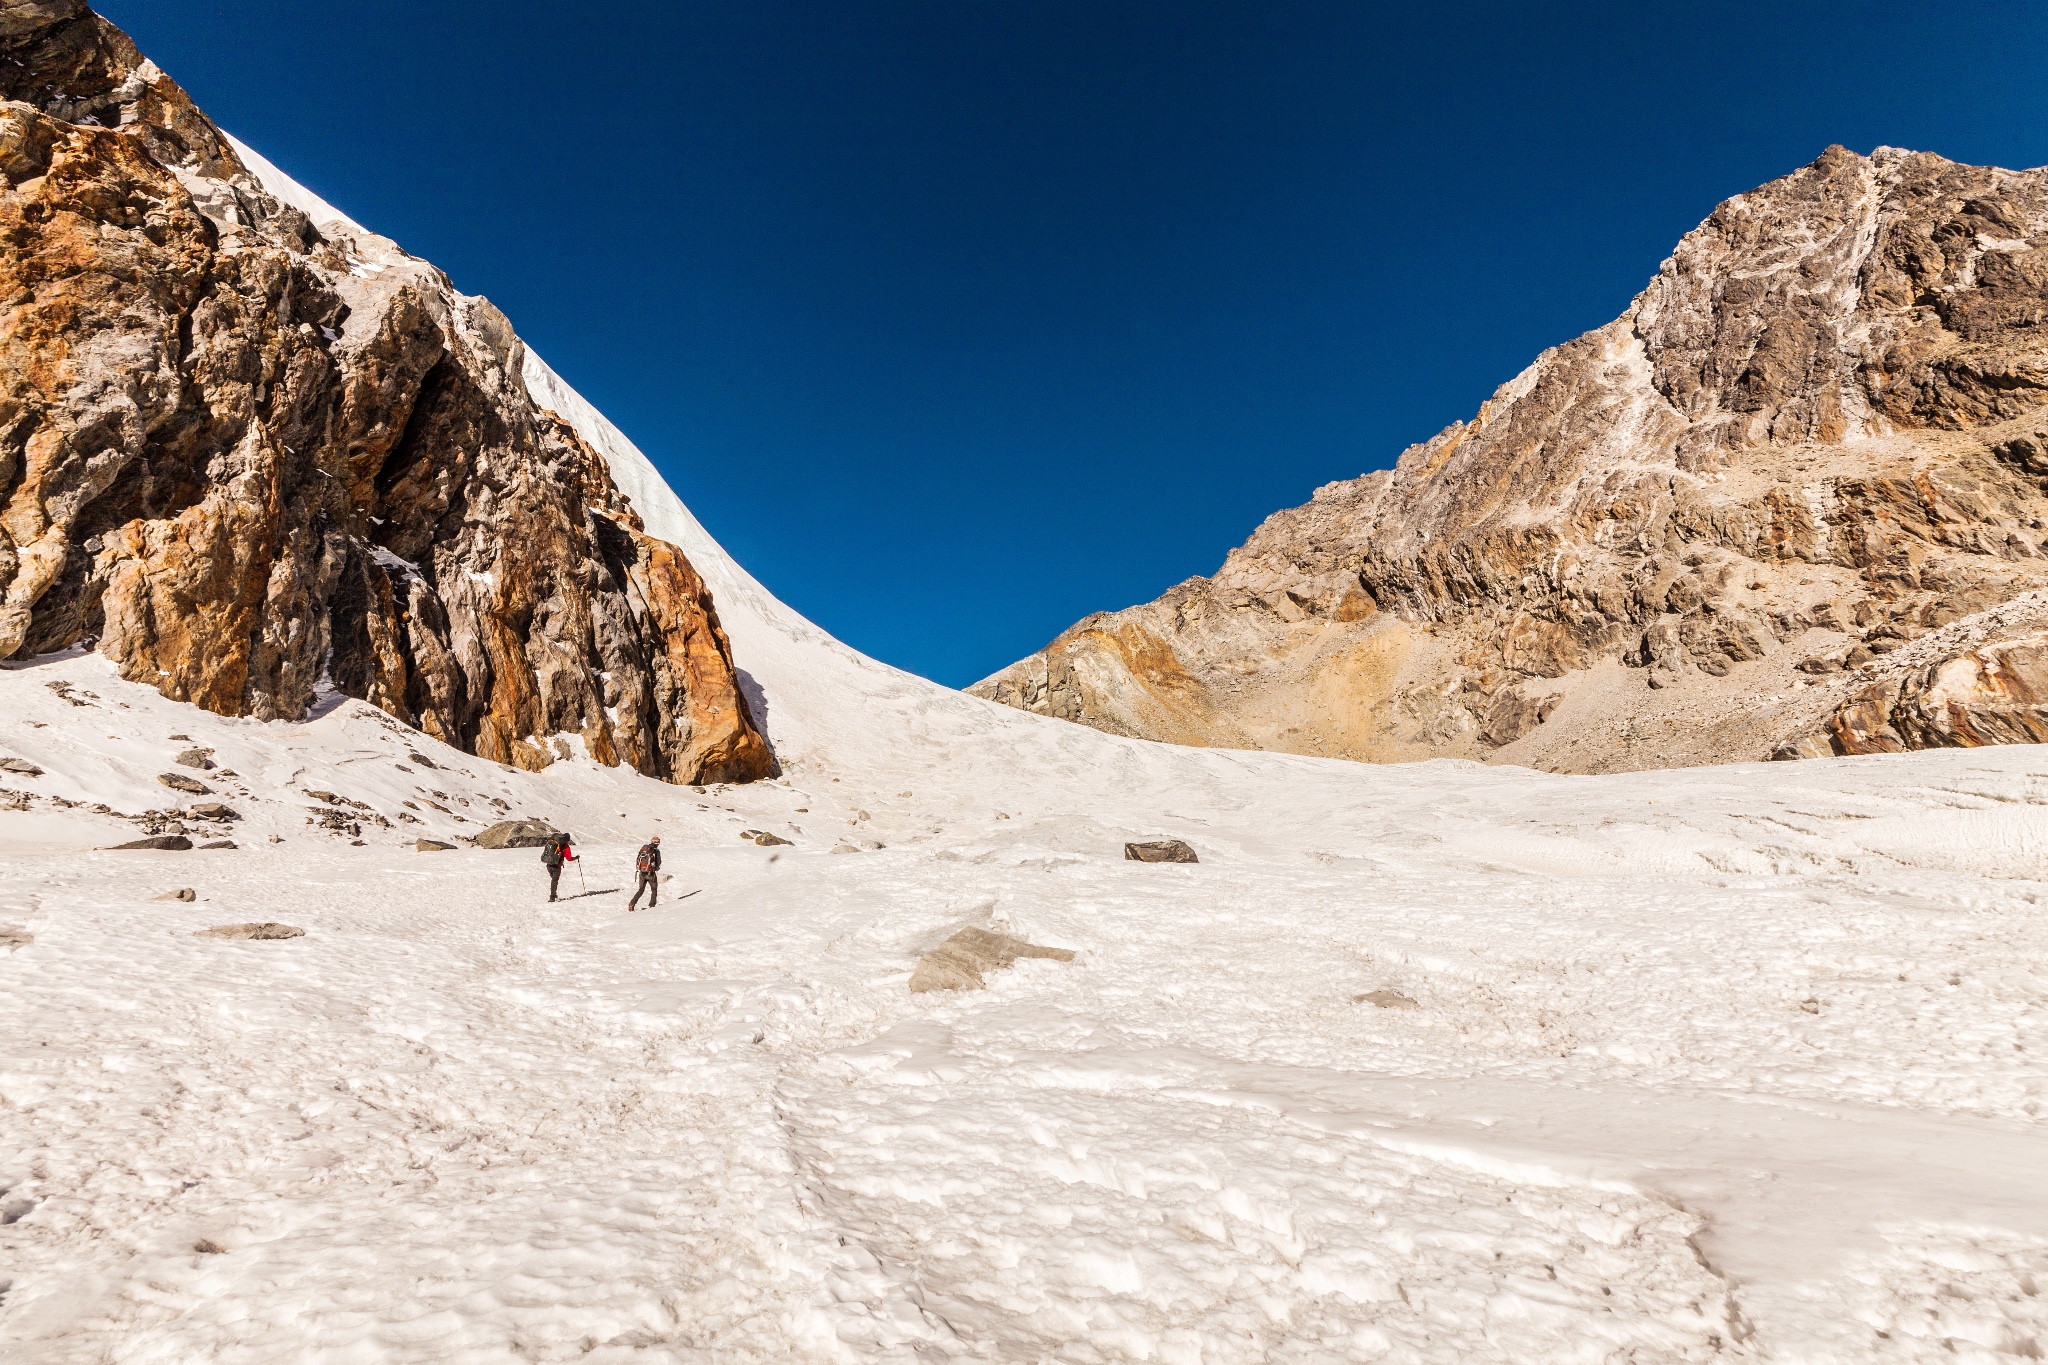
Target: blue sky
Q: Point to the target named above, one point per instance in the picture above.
(956, 320)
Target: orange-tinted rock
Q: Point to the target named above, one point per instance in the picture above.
(1993, 695)
(254, 463)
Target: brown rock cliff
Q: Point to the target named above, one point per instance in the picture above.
(257, 464)
(1705, 532)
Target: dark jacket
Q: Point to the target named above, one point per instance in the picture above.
(649, 859)
(556, 850)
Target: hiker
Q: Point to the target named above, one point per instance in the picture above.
(648, 864)
(555, 851)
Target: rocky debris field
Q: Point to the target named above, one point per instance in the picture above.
(354, 777)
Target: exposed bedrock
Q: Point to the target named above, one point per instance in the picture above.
(1707, 531)
(258, 462)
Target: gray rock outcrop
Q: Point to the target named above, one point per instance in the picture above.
(516, 834)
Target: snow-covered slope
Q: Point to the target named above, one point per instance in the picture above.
(323, 214)
(827, 706)
(1432, 1062)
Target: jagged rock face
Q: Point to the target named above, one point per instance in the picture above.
(1701, 533)
(254, 463)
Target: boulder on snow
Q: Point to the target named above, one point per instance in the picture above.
(20, 765)
(959, 962)
(213, 810)
(183, 893)
(219, 843)
(180, 782)
(175, 843)
(195, 758)
(259, 931)
(767, 840)
(432, 845)
(516, 834)
(1385, 999)
(1160, 851)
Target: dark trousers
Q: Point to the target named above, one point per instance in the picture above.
(648, 884)
(554, 878)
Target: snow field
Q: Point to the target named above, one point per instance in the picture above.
(456, 1123)
(1741, 1063)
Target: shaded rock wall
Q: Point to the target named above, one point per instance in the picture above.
(256, 464)
(1692, 535)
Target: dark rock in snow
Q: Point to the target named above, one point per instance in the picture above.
(219, 843)
(766, 840)
(183, 893)
(179, 782)
(959, 963)
(1160, 851)
(213, 810)
(174, 843)
(195, 758)
(20, 765)
(432, 846)
(516, 834)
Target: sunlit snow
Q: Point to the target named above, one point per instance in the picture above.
(1434, 1062)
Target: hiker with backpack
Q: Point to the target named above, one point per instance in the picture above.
(554, 851)
(648, 865)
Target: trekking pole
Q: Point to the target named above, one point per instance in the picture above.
(579, 877)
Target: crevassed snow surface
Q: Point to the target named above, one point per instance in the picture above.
(1739, 1063)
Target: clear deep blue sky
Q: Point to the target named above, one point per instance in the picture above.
(956, 320)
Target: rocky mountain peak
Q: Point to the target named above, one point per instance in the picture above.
(257, 461)
(1691, 535)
